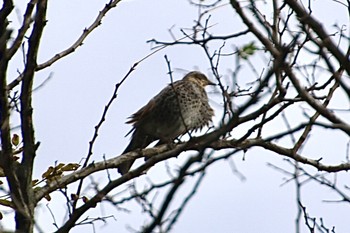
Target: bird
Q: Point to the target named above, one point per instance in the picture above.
(181, 107)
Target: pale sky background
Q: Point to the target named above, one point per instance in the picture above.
(68, 107)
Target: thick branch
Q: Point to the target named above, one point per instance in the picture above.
(6, 159)
(162, 152)
(25, 222)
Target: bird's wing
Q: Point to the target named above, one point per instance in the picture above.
(142, 113)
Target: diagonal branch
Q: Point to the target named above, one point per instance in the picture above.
(99, 124)
(305, 18)
(162, 152)
(170, 195)
(252, 28)
(308, 128)
(315, 103)
(27, 20)
(74, 46)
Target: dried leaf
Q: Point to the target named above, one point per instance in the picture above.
(59, 166)
(70, 167)
(15, 139)
(48, 172)
(34, 182)
(5, 202)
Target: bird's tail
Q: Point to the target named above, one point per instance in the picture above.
(139, 140)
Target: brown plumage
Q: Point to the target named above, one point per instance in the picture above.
(180, 107)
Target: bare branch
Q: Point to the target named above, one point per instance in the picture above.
(306, 18)
(27, 20)
(73, 47)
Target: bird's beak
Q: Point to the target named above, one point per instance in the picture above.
(211, 83)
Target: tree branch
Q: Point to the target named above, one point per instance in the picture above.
(306, 19)
(27, 20)
(25, 222)
(74, 46)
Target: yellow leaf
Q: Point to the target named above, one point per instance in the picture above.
(48, 172)
(15, 139)
(6, 203)
(70, 167)
(34, 182)
(59, 166)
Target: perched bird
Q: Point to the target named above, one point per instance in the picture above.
(179, 108)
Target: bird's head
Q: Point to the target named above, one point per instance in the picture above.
(198, 78)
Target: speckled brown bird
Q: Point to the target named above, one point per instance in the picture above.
(179, 108)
